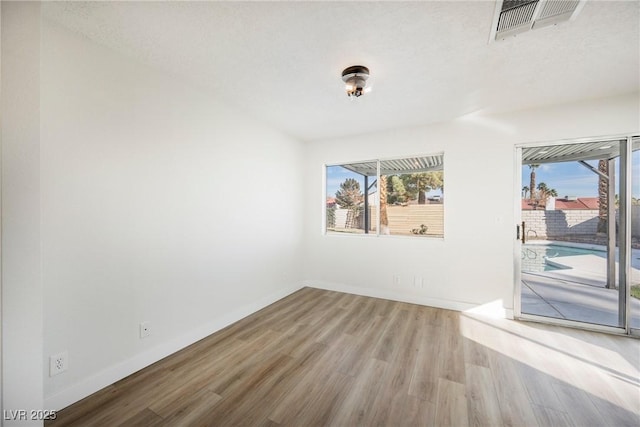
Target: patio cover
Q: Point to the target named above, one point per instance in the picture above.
(405, 165)
(605, 149)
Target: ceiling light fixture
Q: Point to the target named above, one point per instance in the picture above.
(355, 79)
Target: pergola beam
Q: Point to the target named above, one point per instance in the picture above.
(594, 170)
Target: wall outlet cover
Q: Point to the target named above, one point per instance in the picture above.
(58, 363)
(145, 329)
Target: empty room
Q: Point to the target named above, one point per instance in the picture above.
(320, 213)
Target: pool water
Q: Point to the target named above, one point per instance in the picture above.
(534, 256)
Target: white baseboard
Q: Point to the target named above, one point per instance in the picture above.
(117, 372)
(391, 295)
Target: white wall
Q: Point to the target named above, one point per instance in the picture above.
(473, 264)
(21, 272)
(158, 204)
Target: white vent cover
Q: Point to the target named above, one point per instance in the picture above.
(516, 16)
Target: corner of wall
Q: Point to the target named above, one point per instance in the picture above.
(393, 296)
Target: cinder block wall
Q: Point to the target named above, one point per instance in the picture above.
(550, 223)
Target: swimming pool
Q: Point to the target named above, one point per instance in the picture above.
(534, 255)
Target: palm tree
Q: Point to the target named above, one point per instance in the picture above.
(532, 182)
(603, 201)
(546, 191)
(525, 191)
(384, 219)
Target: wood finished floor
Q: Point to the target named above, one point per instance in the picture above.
(327, 358)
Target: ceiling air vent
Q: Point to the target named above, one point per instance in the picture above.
(517, 16)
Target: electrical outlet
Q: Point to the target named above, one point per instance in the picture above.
(58, 363)
(145, 329)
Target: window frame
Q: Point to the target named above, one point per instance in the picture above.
(377, 233)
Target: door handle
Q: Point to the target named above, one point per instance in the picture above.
(517, 232)
(523, 233)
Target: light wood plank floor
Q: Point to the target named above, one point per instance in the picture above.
(327, 358)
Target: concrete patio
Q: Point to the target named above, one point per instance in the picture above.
(577, 291)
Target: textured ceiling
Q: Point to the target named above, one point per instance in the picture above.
(430, 61)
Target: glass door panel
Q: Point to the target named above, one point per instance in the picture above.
(569, 257)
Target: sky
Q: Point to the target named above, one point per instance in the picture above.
(336, 175)
(573, 179)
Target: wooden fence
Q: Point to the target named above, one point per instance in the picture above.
(403, 219)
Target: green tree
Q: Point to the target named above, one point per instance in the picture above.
(525, 191)
(349, 195)
(417, 184)
(396, 193)
(331, 217)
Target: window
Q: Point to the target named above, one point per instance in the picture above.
(398, 197)
(352, 197)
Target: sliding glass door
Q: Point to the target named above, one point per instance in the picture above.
(577, 248)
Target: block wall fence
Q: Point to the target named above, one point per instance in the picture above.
(551, 223)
